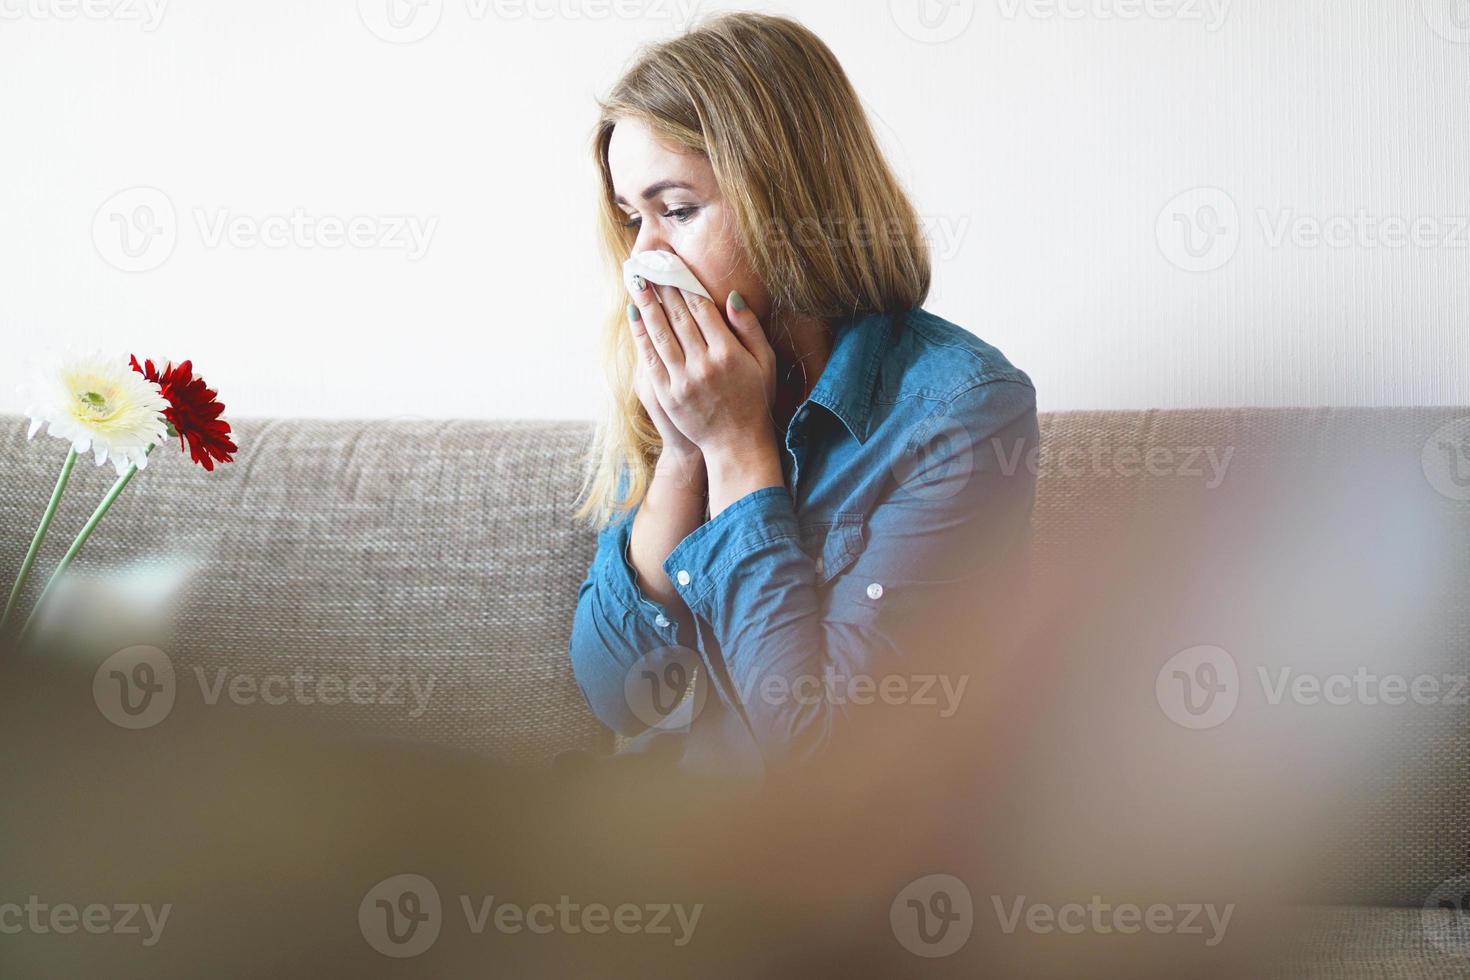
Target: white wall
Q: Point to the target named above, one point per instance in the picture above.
(1045, 140)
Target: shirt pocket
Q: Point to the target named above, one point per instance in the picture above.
(834, 544)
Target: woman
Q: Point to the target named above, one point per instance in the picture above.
(809, 490)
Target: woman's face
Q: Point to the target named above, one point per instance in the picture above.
(672, 201)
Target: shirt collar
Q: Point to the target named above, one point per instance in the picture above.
(848, 383)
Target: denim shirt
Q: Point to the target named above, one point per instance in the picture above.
(909, 480)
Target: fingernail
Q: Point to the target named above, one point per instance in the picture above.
(737, 302)
(639, 284)
(632, 313)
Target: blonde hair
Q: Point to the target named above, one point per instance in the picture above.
(824, 223)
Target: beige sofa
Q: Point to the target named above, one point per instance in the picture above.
(1321, 541)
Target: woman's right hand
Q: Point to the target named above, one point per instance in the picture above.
(678, 451)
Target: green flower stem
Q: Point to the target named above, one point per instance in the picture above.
(30, 559)
(76, 545)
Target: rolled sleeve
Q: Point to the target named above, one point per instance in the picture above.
(616, 626)
(759, 521)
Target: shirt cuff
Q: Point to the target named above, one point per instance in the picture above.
(704, 558)
(621, 580)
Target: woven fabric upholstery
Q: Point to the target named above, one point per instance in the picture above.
(444, 550)
(449, 549)
(1371, 943)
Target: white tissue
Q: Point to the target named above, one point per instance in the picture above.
(664, 268)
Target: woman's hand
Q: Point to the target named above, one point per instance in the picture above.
(678, 451)
(715, 382)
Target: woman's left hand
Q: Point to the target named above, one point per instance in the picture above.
(715, 380)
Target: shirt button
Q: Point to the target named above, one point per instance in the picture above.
(875, 590)
(661, 620)
(683, 576)
(820, 566)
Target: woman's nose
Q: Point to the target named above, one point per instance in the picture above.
(650, 240)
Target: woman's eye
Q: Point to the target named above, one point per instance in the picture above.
(680, 215)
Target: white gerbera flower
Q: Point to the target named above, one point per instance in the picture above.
(96, 401)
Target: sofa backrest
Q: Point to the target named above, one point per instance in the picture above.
(398, 554)
(407, 553)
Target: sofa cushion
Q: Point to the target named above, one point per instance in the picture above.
(400, 554)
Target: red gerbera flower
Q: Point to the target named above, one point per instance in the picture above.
(193, 411)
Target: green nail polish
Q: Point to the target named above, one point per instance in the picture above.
(632, 313)
(737, 302)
